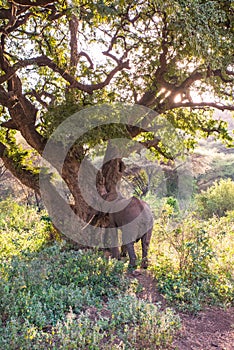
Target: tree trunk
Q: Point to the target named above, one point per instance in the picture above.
(113, 168)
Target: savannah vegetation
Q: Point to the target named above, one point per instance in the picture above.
(158, 54)
(55, 297)
(60, 57)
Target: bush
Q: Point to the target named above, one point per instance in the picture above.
(59, 299)
(143, 325)
(22, 229)
(42, 287)
(194, 261)
(216, 200)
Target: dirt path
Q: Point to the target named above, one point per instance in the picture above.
(210, 329)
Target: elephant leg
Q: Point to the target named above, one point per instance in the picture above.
(115, 253)
(123, 251)
(132, 254)
(113, 244)
(145, 242)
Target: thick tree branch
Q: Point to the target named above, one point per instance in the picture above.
(4, 97)
(15, 20)
(23, 115)
(10, 73)
(199, 75)
(195, 76)
(25, 176)
(19, 23)
(9, 124)
(73, 27)
(113, 57)
(44, 61)
(23, 121)
(5, 13)
(155, 144)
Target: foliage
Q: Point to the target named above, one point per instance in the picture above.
(57, 279)
(190, 120)
(21, 156)
(138, 179)
(22, 229)
(144, 325)
(58, 113)
(173, 203)
(220, 164)
(57, 58)
(192, 260)
(217, 199)
(66, 299)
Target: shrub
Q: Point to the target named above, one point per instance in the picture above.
(194, 261)
(173, 203)
(22, 229)
(143, 325)
(43, 286)
(59, 299)
(154, 329)
(216, 200)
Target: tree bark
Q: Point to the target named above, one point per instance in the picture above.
(113, 168)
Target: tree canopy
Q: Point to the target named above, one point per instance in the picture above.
(58, 57)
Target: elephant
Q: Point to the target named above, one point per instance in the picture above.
(135, 220)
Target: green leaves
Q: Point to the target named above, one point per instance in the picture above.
(76, 299)
(22, 230)
(217, 200)
(194, 261)
(153, 53)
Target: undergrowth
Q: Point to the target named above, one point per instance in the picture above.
(53, 297)
(193, 260)
(22, 229)
(57, 299)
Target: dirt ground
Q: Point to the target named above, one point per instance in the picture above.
(210, 329)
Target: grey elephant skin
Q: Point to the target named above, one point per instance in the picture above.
(135, 221)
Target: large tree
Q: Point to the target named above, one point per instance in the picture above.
(58, 57)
